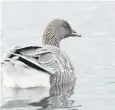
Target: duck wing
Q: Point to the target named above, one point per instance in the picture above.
(48, 59)
(31, 57)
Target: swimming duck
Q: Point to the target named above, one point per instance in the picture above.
(34, 66)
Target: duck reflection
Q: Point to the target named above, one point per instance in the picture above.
(58, 97)
(18, 98)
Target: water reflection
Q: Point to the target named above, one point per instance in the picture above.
(19, 98)
(56, 97)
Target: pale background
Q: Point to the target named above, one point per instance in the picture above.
(93, 55)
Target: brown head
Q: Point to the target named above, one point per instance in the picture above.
(57, 30)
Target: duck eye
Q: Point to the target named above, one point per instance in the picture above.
(65, 26)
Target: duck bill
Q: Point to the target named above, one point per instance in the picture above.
(73, 33)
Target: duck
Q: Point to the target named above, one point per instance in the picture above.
(34, 66)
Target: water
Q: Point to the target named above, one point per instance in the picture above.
(40, 98)
(93, 55)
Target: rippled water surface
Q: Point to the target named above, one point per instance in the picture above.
(93, 55)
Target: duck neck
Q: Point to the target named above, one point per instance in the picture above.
(51, 40)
